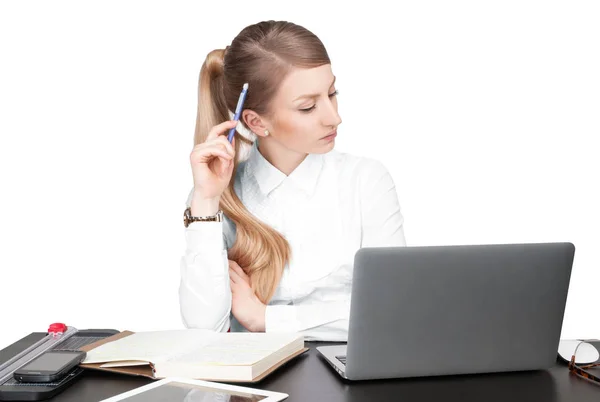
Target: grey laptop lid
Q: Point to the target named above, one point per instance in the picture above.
(418, 311)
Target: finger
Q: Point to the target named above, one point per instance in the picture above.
(241, 272)
(240, 280)
(225, 167)
(220, 129)
(222, 148)
(222, 140)
(206, 153)
(234, 276)
(212, 145)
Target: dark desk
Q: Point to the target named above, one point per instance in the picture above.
(309, 378)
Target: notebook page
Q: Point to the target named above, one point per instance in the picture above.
(235, 349)
(150, 346)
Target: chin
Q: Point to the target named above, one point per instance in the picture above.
(323, 149)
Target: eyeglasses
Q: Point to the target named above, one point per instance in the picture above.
(582, 355)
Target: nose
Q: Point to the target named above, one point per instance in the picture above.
(331, 116)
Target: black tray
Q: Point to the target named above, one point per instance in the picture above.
(13, 390)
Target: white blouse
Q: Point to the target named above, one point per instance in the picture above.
(330, 206)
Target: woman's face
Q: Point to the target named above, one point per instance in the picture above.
(305, 111)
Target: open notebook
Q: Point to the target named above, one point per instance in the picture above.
(194, 353)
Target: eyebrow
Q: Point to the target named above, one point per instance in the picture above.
(313, 95)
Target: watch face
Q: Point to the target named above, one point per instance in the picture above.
(186, 217)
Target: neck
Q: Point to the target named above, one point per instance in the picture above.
(284, 159)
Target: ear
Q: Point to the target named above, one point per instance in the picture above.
(254, 122)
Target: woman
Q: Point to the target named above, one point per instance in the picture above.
(274, 247)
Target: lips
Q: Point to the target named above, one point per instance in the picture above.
(331, 134)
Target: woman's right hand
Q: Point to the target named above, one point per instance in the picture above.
(212, 163)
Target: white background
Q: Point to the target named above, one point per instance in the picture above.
(486, 114)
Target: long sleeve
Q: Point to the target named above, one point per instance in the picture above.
(382, 220)
(381, 225)
(204, 292)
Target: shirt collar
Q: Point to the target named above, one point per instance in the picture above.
(268, 177)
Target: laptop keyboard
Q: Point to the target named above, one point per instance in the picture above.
(342, 359)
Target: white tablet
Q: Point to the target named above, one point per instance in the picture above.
(174, 389)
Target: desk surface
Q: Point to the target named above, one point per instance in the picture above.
(310, 378)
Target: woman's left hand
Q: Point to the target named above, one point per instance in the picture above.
(245, 305)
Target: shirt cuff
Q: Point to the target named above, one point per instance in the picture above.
(203, 236)
(281, 319)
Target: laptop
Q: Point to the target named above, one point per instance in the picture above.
(445, 310)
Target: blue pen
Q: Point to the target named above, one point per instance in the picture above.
(238, 110)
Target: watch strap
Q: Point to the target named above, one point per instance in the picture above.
(188, 218)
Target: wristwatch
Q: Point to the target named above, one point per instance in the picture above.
(188, 218)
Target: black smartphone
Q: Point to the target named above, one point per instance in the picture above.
(49, 366)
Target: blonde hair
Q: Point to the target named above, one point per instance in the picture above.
(261, 55)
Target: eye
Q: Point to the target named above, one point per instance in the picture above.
(310, 109)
